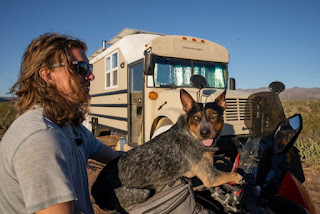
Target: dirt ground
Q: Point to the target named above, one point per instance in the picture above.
(312, 180)
(312, 184)
(95, 167)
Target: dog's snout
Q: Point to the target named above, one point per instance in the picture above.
(205, 133)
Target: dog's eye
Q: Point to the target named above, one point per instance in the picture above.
(196, 118)
(213, 115)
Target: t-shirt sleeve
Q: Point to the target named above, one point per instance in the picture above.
(93, 145)
(43, 169)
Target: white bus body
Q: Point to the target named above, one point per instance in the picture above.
(123, 85)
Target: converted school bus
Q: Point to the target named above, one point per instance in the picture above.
(138, 79)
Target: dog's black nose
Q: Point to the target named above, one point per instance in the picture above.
(205, 132)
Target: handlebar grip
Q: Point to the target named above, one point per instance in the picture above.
(249, 200)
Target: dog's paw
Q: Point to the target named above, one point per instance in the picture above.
(236, 178)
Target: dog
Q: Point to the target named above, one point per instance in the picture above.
(186, 149)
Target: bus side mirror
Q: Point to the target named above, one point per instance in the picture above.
(148, 65)
(232, 84)
(277, 87)
(198, 81)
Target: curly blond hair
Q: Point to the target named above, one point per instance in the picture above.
(31, 89)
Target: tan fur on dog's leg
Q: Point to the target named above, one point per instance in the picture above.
(210, 176)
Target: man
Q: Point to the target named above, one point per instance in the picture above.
(44, 153)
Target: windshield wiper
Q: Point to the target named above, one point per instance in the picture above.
(168, 86)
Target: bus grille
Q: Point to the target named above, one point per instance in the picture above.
(235, 109)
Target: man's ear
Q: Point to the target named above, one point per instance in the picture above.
(45, 74)
(186, 100)
(221, 100)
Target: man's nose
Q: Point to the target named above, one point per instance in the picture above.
(89, 76)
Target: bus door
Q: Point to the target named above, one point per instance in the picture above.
(135, 104)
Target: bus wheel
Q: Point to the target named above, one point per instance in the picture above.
(160, 130)
(163, 125)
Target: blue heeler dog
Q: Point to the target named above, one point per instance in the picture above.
(186, 149)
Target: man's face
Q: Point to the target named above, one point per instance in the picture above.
(65, 84)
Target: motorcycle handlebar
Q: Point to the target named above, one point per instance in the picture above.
(249, 200)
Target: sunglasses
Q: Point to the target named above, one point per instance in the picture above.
(81, 67)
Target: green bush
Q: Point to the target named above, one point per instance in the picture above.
(7, 115)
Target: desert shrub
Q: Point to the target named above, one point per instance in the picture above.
(308, 142)
(310, 111)
(309, 151)
(7, 115)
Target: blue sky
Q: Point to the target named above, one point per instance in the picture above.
(268, 40)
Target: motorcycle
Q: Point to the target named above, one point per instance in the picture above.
(268, 161)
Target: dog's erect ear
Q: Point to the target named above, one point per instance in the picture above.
(221, 100)
(186, 100)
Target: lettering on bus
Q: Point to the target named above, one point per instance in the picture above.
(191, 48)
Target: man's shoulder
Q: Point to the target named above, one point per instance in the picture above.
(29, 131)
(27, 124)
(32, 119)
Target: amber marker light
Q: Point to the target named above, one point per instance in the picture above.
(153, 95)
(202, 40)
(184, 38)
(193, 39)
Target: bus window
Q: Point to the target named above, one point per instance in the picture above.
(213, 72)
(172, 72)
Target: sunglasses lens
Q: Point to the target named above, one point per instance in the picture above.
(83, 68)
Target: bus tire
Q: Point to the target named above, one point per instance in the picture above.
(162, 125)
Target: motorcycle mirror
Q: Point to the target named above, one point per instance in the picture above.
(277, 87)
(198, 81)
(287, 133)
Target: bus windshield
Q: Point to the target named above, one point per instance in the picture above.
(173, 72)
